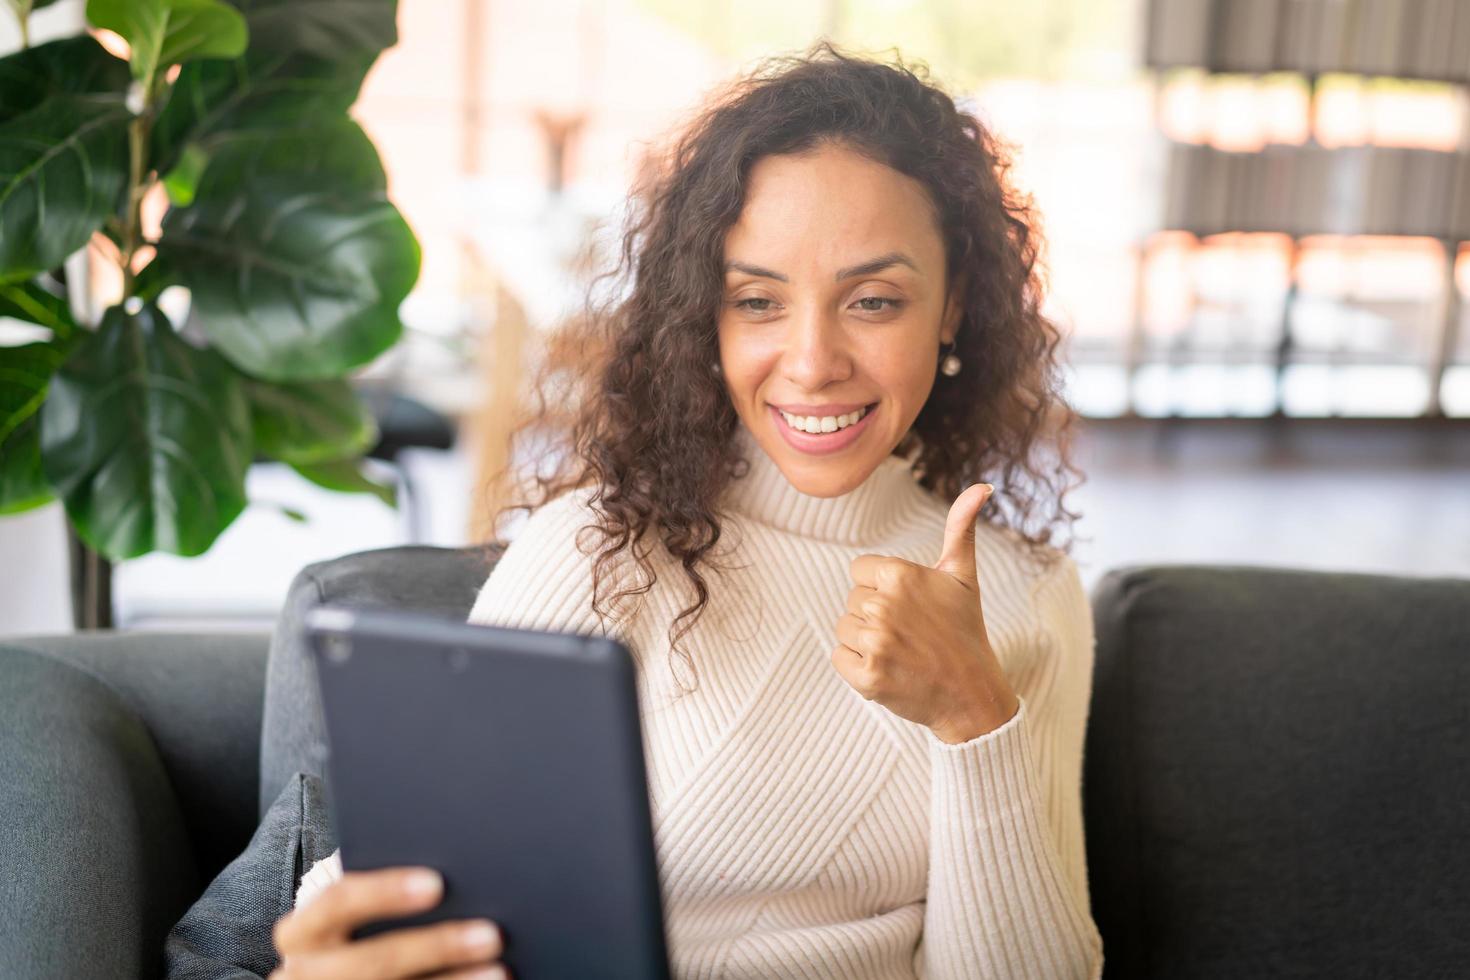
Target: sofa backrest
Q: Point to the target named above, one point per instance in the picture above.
(1277, 773)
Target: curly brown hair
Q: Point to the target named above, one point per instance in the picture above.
(650, 426)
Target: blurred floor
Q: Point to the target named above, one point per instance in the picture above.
(1373, 497)
(1391, 497)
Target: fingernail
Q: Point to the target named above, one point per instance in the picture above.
(494, 973)
(479, 935)
(423, 884)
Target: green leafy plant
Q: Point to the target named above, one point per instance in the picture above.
(278, 225)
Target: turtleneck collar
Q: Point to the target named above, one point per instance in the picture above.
(865, 514)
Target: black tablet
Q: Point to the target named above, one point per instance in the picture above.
(512, 762)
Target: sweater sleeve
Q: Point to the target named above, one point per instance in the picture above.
(1008, 894)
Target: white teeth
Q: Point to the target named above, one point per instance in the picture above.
(822, 423)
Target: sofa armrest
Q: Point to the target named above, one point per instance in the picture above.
(200, 696)
(95, 860)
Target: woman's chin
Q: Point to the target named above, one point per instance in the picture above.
(827, 475)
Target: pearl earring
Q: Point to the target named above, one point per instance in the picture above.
(949, 365)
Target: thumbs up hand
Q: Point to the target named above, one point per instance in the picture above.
(913, 638)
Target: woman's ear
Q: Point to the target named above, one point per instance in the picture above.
(954, 312)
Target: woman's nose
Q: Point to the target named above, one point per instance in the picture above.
(816, 352)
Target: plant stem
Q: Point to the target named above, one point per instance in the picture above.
(133, 218)
(22, 11)
(140, 181)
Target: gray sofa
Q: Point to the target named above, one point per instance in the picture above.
(1277, 770)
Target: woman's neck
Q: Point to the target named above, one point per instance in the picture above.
(867, 513)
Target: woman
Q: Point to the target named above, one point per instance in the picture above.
(863, 713)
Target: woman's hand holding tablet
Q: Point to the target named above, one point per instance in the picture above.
(315, 940)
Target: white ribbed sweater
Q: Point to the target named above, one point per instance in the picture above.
(801, 830)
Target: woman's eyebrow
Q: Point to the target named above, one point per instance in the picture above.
(876, 265)
(866, 268)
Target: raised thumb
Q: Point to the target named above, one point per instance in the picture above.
(958, 555)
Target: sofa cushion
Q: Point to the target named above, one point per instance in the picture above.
(1277, 773)
(227, 934)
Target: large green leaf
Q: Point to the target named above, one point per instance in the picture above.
(326, 28)
(310, 422)
(22, 482)
(168, 32)
(63, 170)
(295, 258)
(263, 90)
(146, 438)
(30, 302)
(73, 65)
(348, 476)
(25, 371)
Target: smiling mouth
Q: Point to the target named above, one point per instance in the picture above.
(822, 424)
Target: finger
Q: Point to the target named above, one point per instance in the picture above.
(958, 555)
(864, 570)
(849, 665)
(358, 897)
(850, 633)
(881, 572)
(856, 597)
(496, 972)
(412, 952)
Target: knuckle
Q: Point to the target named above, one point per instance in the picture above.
(897, 574)
(394, 958)
(366, 896)
(449, 943)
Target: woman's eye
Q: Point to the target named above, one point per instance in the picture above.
(868, 304)
(745, 304)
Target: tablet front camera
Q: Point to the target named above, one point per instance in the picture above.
(338, 649)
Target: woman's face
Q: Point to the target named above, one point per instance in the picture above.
(833, 312)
